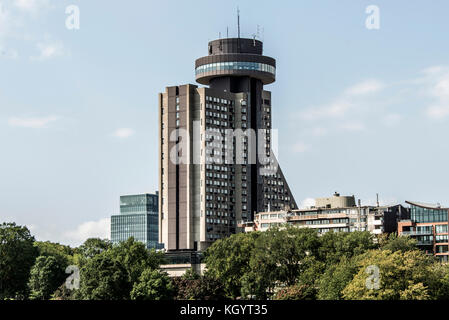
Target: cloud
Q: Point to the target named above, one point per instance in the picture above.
(365, 87)
(48, 50)
(35, 123)
(335, 109)
(31, 5)
(307, 203)
(437, 81)
(91, 229)
(342, 104)
(123, 133)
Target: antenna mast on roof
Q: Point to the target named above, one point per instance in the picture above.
(238, 22)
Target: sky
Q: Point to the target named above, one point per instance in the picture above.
(359, 110)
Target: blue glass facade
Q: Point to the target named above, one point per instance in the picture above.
(424, 215)
(138, 218)
(222, 66)
(429, 226)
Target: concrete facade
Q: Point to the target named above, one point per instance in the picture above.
(213, 171)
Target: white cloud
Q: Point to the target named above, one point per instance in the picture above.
(31, 5)
(307, 203)
(35, 123)
(438, 90)
(365, 87)
(48, 50)
(124, 133)
(335, 109)
(91, 229)
(433, 70)
(342, 104)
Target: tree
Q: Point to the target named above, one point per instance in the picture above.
(295, 292)
(153, 285)
(63, 293)
(64, 254)
(190, 274)
(17, 256)
(46, 276)
(103, 278)
(408, 275)
(228, 259)
(335, 278)
(279, 258)
(335, 245)
(395, 243)
(192, 286)
(93, 246)
(135, 257)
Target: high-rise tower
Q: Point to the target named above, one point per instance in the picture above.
(216, 161)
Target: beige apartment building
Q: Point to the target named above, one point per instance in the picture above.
(336, 213)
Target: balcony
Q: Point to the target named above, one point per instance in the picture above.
(425, 243)
(416, 233)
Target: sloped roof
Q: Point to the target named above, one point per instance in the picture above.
(425, 205)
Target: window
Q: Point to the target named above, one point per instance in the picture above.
(441, 228)
(441, 238)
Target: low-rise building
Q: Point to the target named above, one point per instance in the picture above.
(428, 224)
(337, 213)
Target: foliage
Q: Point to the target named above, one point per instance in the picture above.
(63, 293)
(335, 278)
(336, 245)
(135, 257)
(279, 258)
(408, 275)
(286, 264)
(103, 278)
(47, 274)
(17, 256)
(395, 243)
(92, 247)
(153, 285)
(62, 253)
(190, 274)
(189, 287)
(296, 292)
(228, 259)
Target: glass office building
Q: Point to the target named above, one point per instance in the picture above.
(429, 225)
(138, 218)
